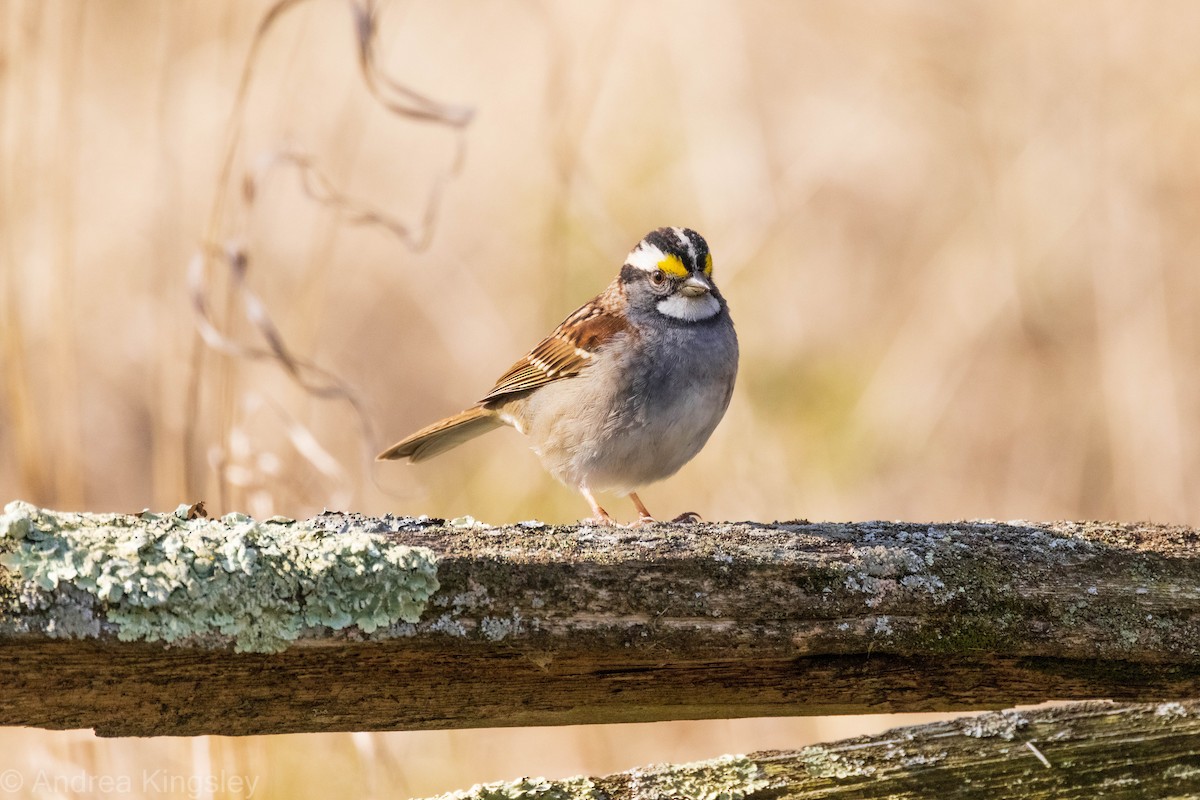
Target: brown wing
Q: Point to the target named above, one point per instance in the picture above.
(564, 353)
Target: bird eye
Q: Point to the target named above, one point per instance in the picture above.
(658, 277)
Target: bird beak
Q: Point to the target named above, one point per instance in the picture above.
(695, 286)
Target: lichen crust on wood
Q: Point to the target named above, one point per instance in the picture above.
(1078, 750)
(344, 622)
(161, 577)
(1018, 589)
(731, 777)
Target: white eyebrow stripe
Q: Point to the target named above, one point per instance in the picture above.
(686, 241)
(645, 257)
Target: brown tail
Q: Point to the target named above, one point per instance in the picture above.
(444, 435)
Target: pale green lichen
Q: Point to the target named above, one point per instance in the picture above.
(879, 569)
(1170, 710)
(725, 778)
(532, 788)
(1181, 772)
(1002, 724)
(495, 629)
(821, 762)
(165, 578)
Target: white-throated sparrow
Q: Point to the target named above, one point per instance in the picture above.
(627, 389)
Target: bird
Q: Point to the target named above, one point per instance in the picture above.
(626, 390)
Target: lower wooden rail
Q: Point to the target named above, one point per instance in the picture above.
(1079, 751)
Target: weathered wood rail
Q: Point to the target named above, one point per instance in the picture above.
(1081, 751)
(158, 625)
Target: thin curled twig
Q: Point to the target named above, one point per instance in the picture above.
(222, 249)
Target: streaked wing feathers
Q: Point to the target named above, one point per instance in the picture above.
(562, 354)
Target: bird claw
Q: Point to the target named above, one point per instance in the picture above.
(602, 517)
(686, 518)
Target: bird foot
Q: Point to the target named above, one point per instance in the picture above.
(601, 517)
(686, 518)
(643, 521)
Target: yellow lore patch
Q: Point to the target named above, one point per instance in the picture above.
(673, 266)
(708, 264)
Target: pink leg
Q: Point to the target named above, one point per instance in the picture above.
(644, 515)
(601, 516)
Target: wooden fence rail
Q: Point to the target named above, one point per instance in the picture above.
(157, 624)
(1082, 751)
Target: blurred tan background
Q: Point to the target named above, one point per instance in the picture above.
(960, 243)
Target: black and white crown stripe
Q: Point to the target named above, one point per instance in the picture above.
(685, 243)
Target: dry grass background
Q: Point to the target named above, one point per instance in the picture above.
(960, 241)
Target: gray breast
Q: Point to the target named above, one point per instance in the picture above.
(677, 395)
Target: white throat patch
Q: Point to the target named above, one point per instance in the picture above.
(689, 309)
